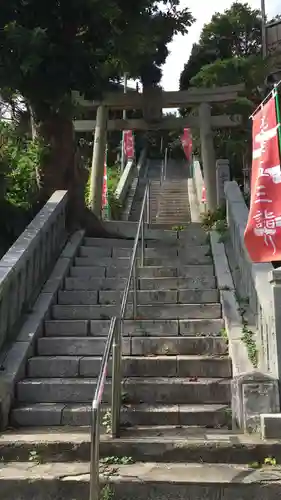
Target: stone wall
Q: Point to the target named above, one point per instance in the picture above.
(27, 264)
(252, 281)
(255, 390)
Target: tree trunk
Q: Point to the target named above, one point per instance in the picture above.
(60, 170)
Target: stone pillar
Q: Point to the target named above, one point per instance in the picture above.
(208, 155)
(274, 348)
(222, 176)
(98, 161)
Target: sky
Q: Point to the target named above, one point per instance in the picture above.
(202, 11)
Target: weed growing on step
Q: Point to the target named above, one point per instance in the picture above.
(125, 398)
(106, 493)
(216, 221)
(107, 421)
(268, 462)
(223, 334)
(228, 417)
(117, 460)
(248, 338)
(178, 228)
(34, 457)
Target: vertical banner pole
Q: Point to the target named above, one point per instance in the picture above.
(278, 115)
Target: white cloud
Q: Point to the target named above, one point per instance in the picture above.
(181, 46)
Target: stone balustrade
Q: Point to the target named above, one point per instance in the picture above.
(27, 264)
(252, 282)
(250, 296)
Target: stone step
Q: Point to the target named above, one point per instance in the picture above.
(53, 414)
(152, 311)
(194, 235)
(191, 271)
(90, 283)
(148, 390)
(153, 256)
(133, 346)
(136, 328)
(169, 444)
(143, 297)
(163, 252)
(200, 239)
(185, 259)
(139, 481)
(136, 366)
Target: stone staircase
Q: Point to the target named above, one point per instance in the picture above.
(176, 368)
(176, 439)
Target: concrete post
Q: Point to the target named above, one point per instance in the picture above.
(222, 175)
(98, 161)
(208, 155)
(274, 348)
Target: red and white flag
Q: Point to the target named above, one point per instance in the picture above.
(104, 186)
(129, 144)
(263, 232)
(186, 140)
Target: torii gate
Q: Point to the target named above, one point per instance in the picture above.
(151, 101)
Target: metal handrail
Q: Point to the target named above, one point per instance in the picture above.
(114, 343)
(164, 167)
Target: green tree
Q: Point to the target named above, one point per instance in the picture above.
(234, 33)
(52, 47)
(235, 37)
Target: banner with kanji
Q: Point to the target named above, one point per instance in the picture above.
(129, 144)
(105, 207)
(263, 231)
(186, 140)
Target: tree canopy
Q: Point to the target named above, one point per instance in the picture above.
(53, 47)
(229, 52)
(234, 33)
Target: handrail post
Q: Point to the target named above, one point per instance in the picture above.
(135, 286)
(148, 204)
(165, 163)
(94, 464)
(116, 380)
(142, 242)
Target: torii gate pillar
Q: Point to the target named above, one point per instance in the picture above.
(97, 170)
(208, 155)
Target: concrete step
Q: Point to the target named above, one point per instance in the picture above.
(163, 252)
(152, 311)
(192, 235)
(136, 328)
(191, 271)
(132, 366)
(185, 259)
(185, 445)
(198, 255)
(200, 239)
(143, 297)
(91, 283)
(147, 390)
(133, 346)
(140, 481)
(47, 414)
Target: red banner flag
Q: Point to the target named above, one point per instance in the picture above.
(104, 186)
(129, 146)
(203, 198)
(263, 232)
(186, 140)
